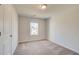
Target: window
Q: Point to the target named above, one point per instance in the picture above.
(33, 28)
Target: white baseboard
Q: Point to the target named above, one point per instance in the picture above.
(74, 50)
(31, 40)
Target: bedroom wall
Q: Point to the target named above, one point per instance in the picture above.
(64, 29)
(24, 29)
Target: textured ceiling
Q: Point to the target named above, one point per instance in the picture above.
(33, 10)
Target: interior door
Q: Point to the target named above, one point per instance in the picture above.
(1, 29)
(14, 30)
(7, 30)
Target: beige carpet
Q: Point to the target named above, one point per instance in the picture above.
(43, 47)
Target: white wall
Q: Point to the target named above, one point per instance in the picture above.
(64, 29)
(24, 29)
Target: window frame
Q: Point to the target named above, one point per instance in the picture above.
(32, 31)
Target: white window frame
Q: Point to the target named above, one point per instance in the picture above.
(34, 28)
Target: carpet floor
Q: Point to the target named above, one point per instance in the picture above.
(43, 47)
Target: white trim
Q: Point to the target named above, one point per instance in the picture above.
(74, 50)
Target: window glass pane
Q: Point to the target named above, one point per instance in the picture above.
(33, 28)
